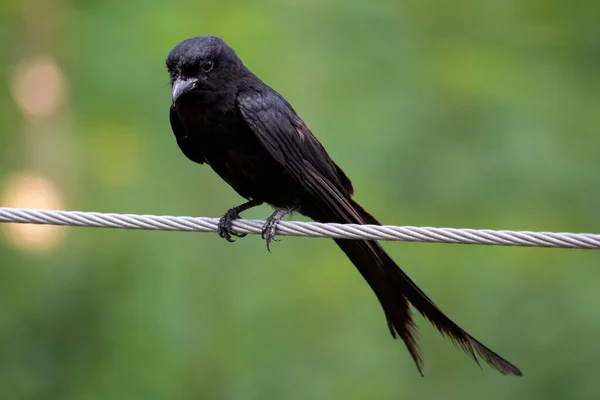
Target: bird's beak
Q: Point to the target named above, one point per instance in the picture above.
(182, 86)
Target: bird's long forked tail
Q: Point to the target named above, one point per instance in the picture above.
(395, 290)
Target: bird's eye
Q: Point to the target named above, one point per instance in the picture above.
(208, 66)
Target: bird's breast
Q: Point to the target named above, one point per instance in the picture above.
(235, 154)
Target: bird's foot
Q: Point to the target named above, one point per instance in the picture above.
(225, 226)
(270, 227)
(268, 231)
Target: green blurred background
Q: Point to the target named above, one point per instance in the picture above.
(477, 114)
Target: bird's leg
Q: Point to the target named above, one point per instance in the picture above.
(268, 230)
(226, 221)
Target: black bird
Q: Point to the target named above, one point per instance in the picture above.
(224, 116)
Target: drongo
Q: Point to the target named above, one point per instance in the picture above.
(225, 116)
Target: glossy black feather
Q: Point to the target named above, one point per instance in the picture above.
(192, 152)
(284, 135)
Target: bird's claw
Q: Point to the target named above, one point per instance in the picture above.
(268, 232)
(225, 226)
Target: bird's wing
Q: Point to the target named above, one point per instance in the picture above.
(287, 139)
(186, 145)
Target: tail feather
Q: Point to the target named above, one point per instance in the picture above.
(393, 288)
(430, 310)
(395, 306)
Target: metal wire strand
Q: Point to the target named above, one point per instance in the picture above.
(310, 229)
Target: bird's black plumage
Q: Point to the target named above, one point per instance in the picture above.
(225, 116)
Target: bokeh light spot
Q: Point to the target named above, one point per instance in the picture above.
(32, 190)
(38, 87)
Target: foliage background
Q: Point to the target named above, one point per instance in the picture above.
(476, 114)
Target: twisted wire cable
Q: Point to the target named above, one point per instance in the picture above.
(309, 229)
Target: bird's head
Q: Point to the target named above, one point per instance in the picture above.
(201, 64)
